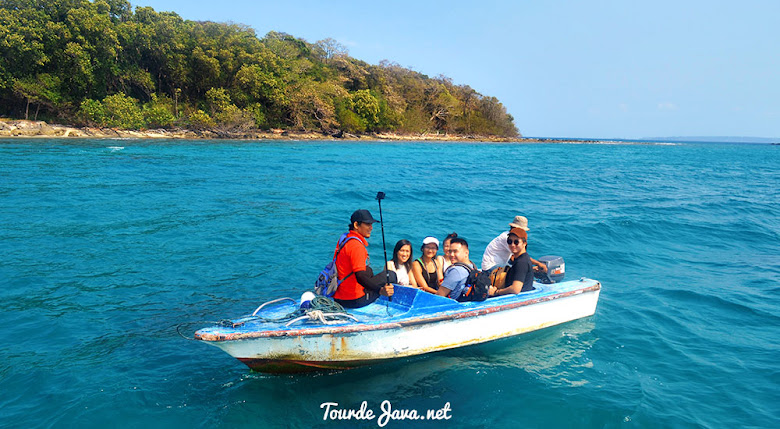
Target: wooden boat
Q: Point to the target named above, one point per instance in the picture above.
(412, 323)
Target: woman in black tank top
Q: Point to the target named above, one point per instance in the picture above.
(429, 276)
(425, 269)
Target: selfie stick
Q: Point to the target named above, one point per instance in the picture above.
(379, 197)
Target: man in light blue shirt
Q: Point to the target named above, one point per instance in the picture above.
(456, 275)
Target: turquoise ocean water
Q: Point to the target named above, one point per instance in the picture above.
(108, 245)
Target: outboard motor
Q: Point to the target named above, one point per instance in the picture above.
(556, 270)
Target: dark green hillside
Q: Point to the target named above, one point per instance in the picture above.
(103, 63)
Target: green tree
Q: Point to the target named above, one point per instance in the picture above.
(441, 105)
(234, 120)
(366, 106)
(415, 121)
(218, 100)
(312, 105)
(348, 120)
(43, 89)
(200, 120)
(261, 85)
(91, 112)
(122, 111)
(228, 117)
(258, 113)
(388, 118)
(330, 48)
(158, 113)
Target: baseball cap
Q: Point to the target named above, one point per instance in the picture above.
(362, 216)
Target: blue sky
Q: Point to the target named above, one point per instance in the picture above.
(595, 69)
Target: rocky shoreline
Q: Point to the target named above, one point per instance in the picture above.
(41, 129)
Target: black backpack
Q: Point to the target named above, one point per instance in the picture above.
(477, 284)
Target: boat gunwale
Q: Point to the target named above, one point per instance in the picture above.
(420, 320)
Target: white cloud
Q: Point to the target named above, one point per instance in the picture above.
(347, 42)
(667, 106)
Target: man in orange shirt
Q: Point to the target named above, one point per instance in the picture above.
(358, 286)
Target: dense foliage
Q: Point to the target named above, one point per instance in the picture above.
(101, 63)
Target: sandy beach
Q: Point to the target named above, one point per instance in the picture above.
(32, 129)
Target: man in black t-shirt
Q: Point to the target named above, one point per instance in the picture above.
(520, 276)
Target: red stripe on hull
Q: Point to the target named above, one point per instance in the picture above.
(278, 366)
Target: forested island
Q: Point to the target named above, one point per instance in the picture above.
(104, 64)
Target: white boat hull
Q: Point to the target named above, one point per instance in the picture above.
(350, 345)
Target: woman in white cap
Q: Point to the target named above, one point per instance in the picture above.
(427, 272)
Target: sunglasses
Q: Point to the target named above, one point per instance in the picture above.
(516, 241)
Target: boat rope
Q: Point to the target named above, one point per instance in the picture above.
(315, 315)
(324, 310)
(271, 302)
(328, 307)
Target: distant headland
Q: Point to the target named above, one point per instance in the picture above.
(105, 68)
(720, 139)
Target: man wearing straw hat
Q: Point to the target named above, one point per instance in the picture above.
(497, 252)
